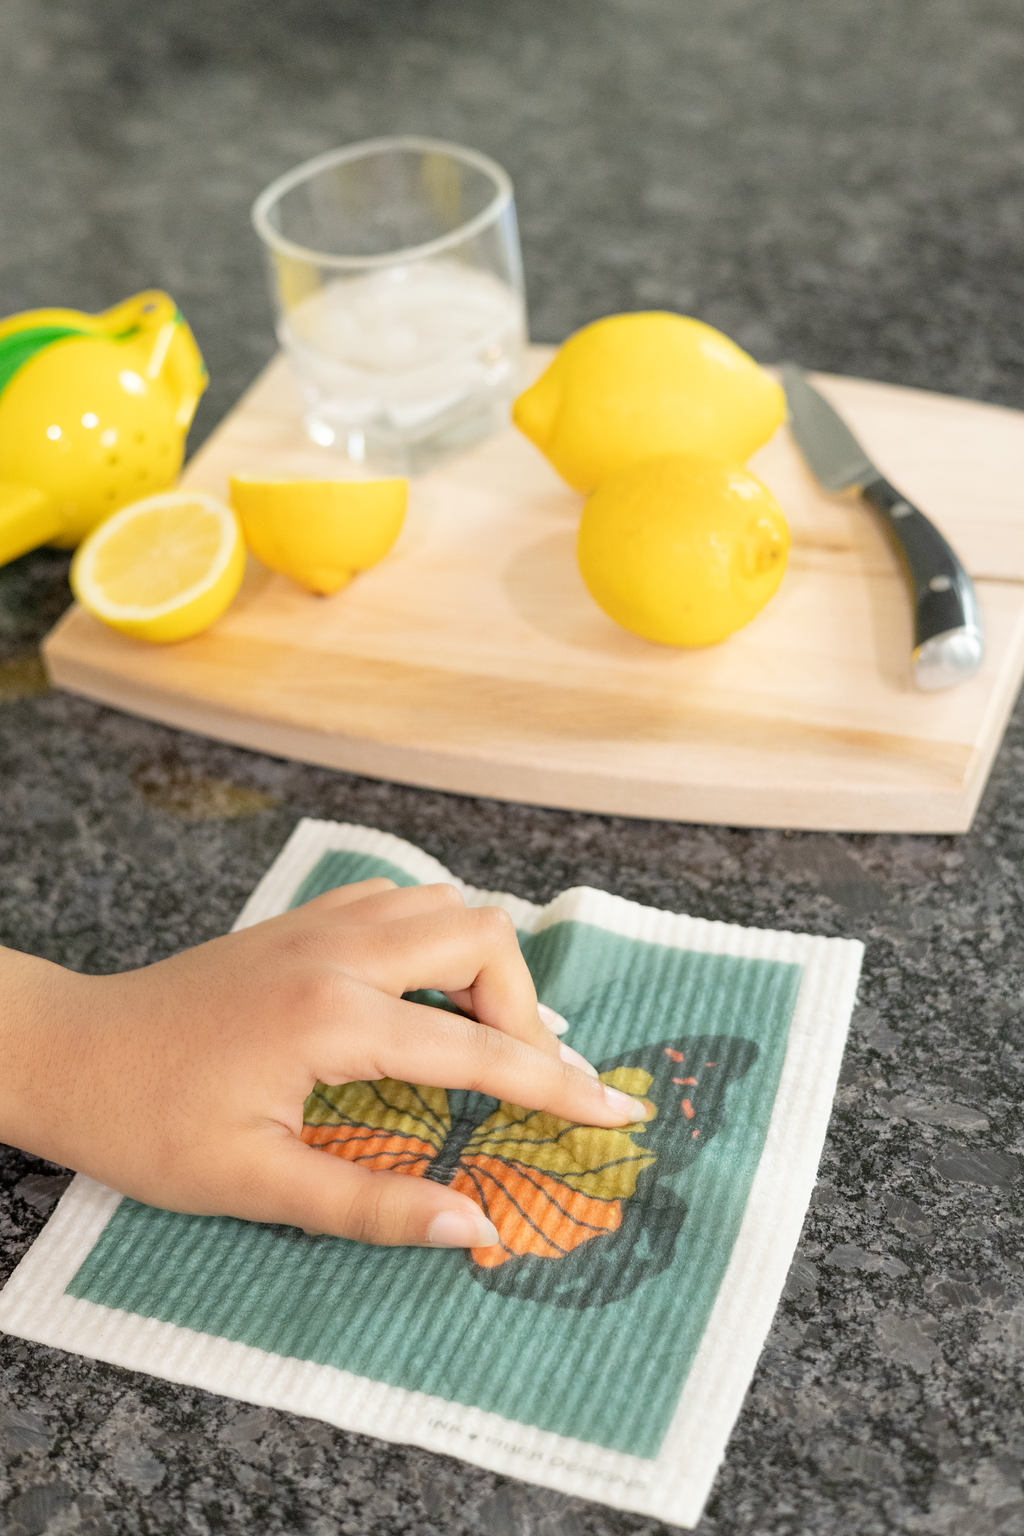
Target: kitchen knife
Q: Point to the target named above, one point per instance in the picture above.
(948, 640)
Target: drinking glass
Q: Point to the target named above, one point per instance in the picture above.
(398, 282)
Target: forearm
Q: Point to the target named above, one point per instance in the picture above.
(37, 1001)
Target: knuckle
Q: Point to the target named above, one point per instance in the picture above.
(446, 895)
(304, 941)
(377, 1213)
(491, 1049)
(311, 943)
(495, 924)
(317, 997)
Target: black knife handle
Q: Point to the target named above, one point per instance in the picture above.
(943, 594)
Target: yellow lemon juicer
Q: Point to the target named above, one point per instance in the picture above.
(94, 410)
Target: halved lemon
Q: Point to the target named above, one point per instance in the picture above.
(161, 569)
(319, 532)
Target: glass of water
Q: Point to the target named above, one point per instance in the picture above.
(399, 288)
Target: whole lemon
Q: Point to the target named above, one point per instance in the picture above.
(683, 549)
(630, 387)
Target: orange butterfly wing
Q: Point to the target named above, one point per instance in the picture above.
(533, 1212)
(385, 1126)
(380, 1151)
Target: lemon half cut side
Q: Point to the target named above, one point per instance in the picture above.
(162, 569)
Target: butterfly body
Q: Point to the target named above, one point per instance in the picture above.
(445, 1165)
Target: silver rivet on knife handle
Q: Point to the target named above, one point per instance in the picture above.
(947, 659)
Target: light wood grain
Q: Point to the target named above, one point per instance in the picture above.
(472, 658)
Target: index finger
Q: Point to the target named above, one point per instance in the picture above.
(418, 1044)
(470, 953)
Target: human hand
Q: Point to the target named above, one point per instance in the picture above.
(182, 1084)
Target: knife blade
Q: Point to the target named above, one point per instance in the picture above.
(948, 638)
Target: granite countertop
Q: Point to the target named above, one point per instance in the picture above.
(842, 183)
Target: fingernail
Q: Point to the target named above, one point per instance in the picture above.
(574, 1059)
(622, 1104)
(457, 1229)
(553, 1020)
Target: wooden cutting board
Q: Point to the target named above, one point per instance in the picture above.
(472, 659)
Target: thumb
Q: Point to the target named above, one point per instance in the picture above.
(301, 1186)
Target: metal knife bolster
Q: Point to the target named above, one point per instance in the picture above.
(948, 643)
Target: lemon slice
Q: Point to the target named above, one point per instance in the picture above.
(319, 532)
(161, 569)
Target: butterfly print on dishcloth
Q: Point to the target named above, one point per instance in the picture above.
(583, 1214)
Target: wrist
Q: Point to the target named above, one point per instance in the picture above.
(37, 1040)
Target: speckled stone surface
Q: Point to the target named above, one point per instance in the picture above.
(841, 182)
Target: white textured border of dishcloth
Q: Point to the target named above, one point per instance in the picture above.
(675, 1485)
